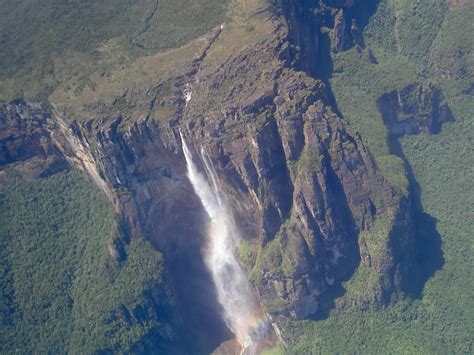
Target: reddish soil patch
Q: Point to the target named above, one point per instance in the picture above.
(453, 4)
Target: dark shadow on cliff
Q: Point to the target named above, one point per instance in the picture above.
(308, 34)
(177, 228)
(327, 302)
(310, 48)
(310, 51)
(347, 230)
(413, 110)
(428, 255)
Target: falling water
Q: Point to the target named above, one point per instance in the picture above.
(241, 310)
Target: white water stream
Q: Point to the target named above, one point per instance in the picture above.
(241, 310)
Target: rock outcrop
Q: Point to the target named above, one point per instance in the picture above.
(25, 144)
(415, 109)
(315, 28)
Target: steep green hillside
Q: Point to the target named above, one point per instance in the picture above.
(60, 288)
(412, 41)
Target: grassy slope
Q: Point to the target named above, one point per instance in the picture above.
(442, 320)
(55, 293)
(44, 44)
(122, 83)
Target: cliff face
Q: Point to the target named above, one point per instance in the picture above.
(145, 176)
(302, 183)
(415, 109)
(25, 144)
(35, 153)
(318, 27)
(303, 186)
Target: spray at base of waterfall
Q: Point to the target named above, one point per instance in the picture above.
(241, 309)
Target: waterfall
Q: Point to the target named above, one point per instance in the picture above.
(241, 309)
